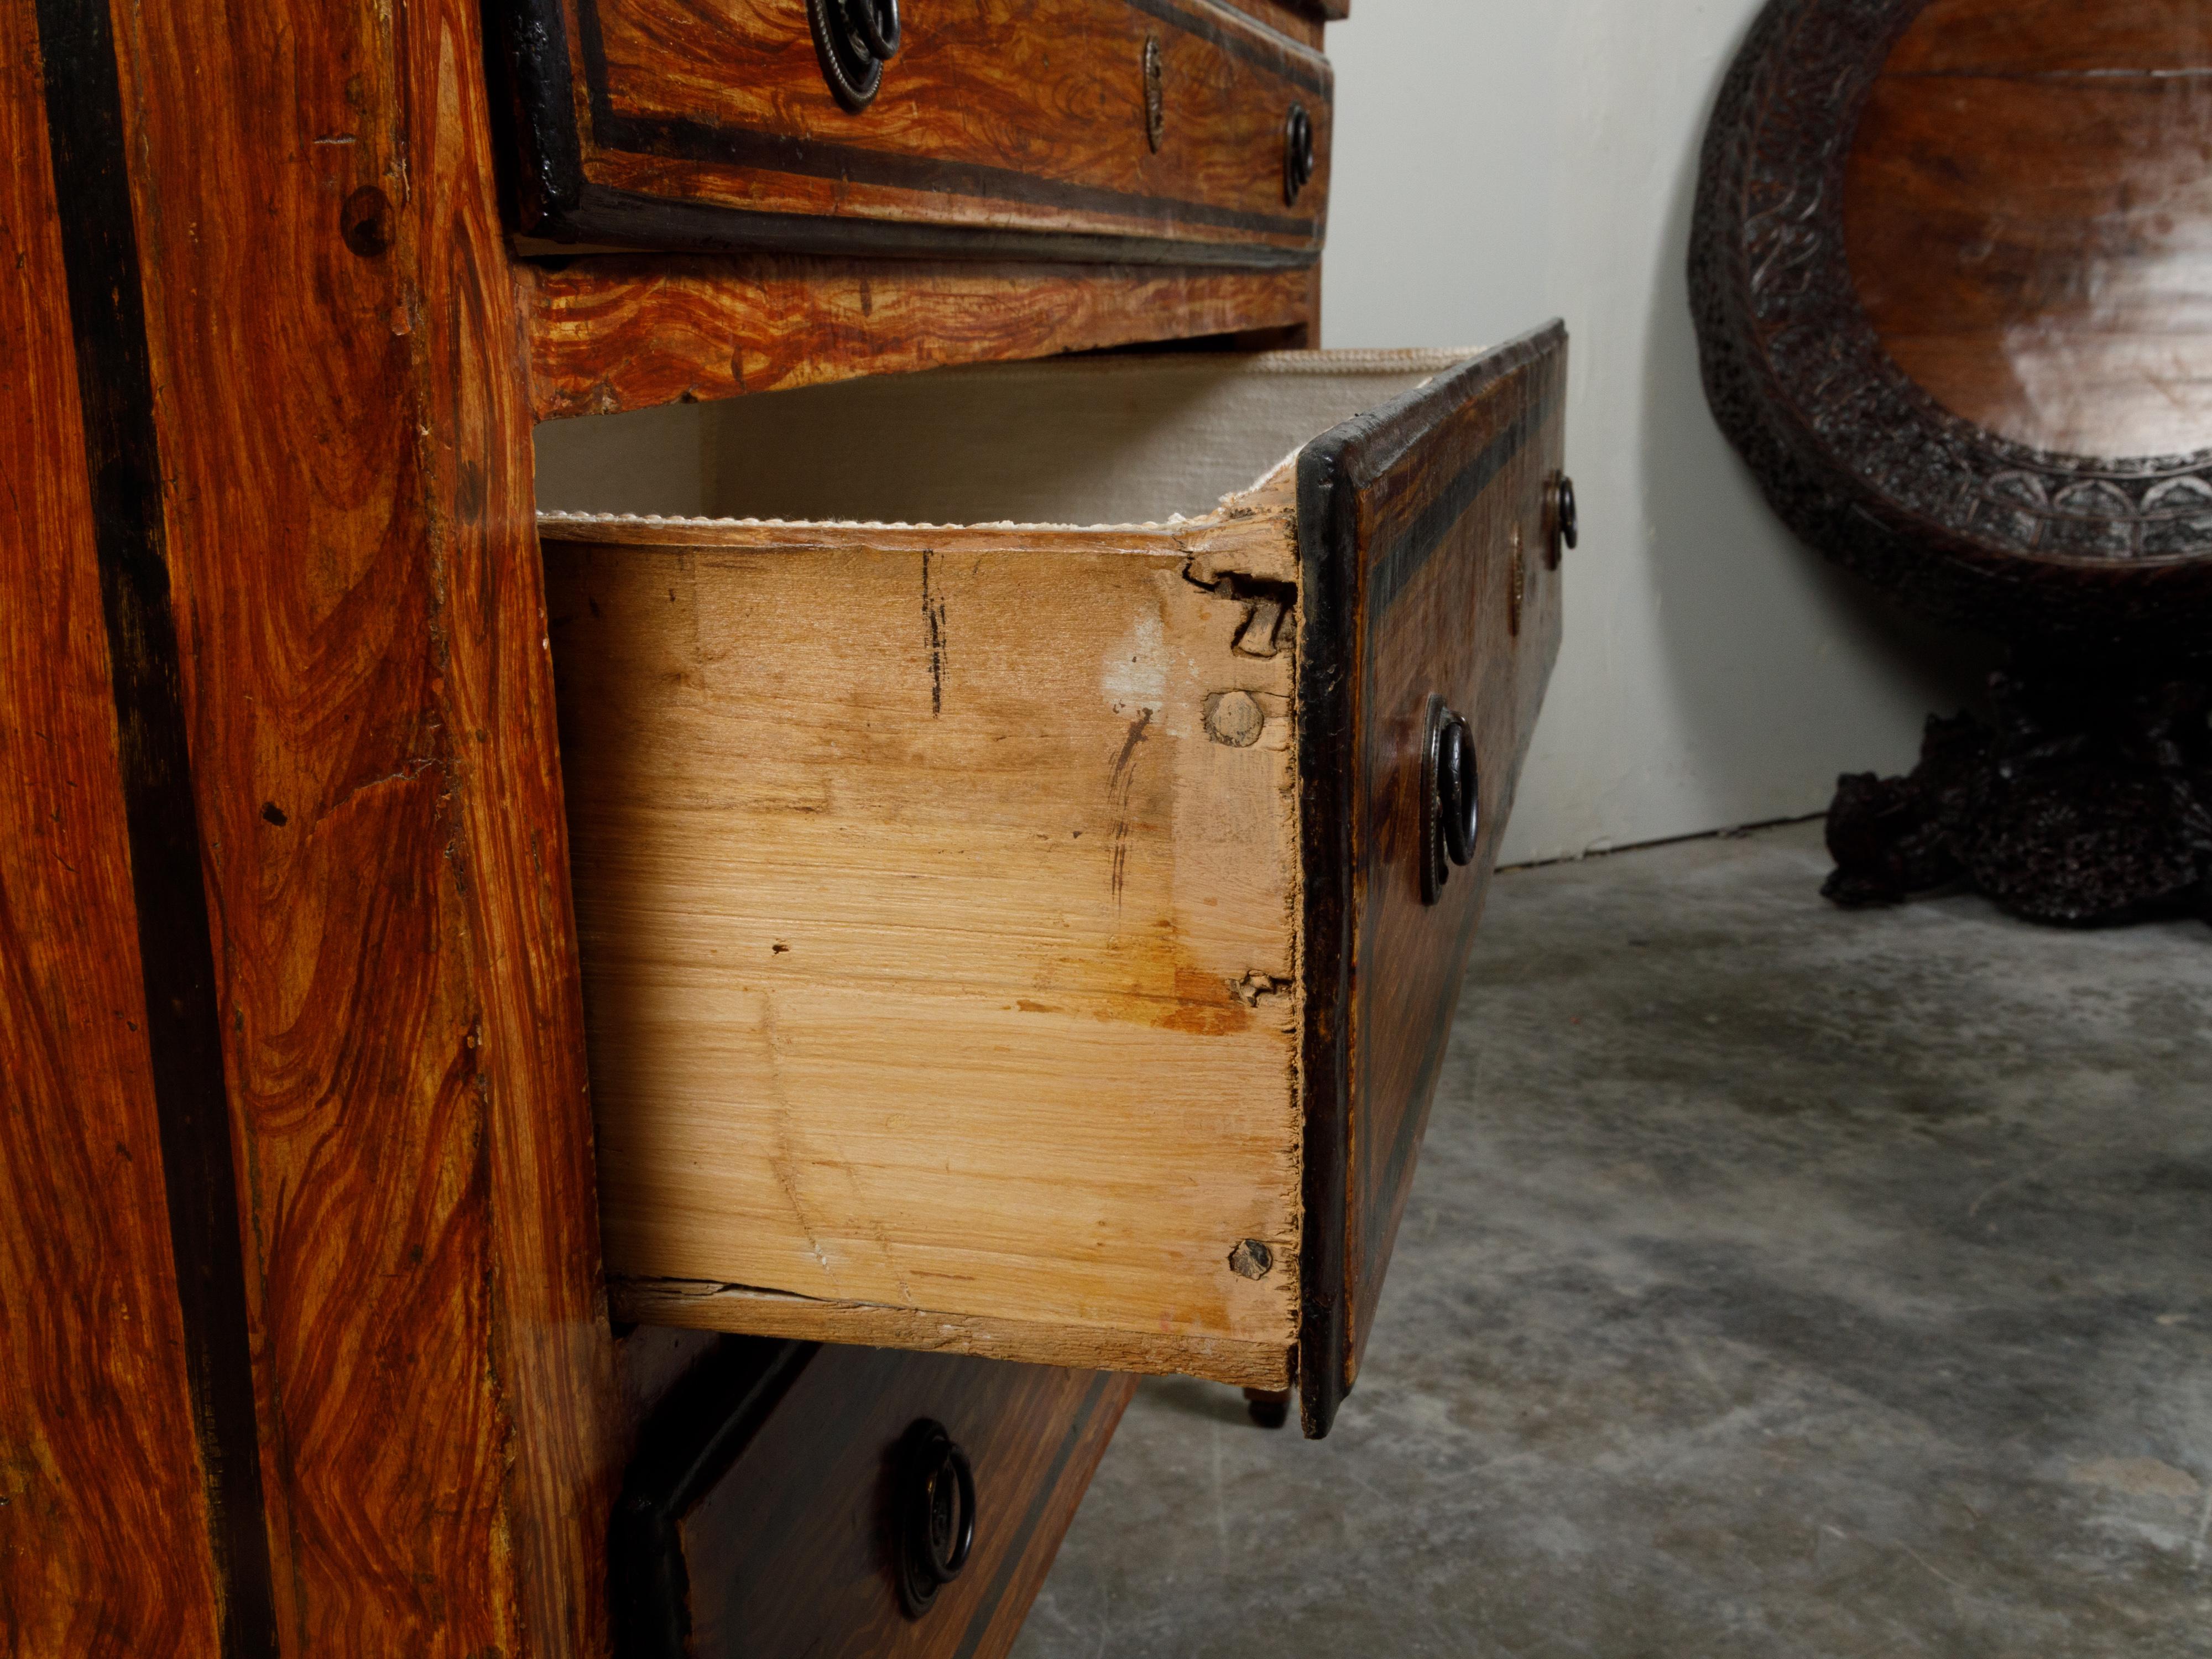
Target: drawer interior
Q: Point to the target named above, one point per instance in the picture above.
(1094, 441)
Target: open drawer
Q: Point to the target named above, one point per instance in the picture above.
(1032, 940)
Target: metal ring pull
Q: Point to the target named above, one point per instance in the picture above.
(878, 22)
(935, 1517)
(853, 42)
(1298, 153)
(1564, 528)
(1451, 812)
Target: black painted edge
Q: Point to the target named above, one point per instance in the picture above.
(1328, 553)
(673, 139)
(192, 1101)
(556, 201)
(635, 221)
(688, 1445)
(549, 175)
(1333, 647)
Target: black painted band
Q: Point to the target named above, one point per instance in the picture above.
(669, 225)
(100, 255)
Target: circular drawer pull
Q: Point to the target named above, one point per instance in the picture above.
(935, 1514)
(1565, 523)
(853, 39)
(1298, 153)
(1450, 806)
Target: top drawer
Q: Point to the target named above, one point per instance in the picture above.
(1177, 131)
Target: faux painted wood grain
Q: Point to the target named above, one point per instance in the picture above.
(998, 115)
(104, 1519)
(794, 1542)
(356, 579)
(621, 332)
(1455, 629)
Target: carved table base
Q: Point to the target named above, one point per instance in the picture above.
(2087, 801)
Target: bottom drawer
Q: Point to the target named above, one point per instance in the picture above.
(784, 1495)
(1039, 939)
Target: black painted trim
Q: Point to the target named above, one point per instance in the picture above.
(550, 178)
(680, 140)
(626, 217)
(1408, 556)
(1328, 595)
(690, 1443)
(191, 1103)
(558, 203)
(1339, 616)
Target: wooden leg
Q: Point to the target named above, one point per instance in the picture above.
(1270, 1407)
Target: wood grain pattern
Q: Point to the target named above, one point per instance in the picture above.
(981, 885)
(348, 530)
(2028, 215)
(614, 333)
(673, 126)
(794, 1540)
(106, 1546)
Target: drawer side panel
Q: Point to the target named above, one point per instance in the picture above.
(937, 958)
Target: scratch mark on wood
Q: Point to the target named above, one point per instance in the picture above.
(932, 622)
(1119, 783)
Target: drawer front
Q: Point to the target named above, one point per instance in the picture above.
(766, 1516)
(1432, 585)
(1131, 131)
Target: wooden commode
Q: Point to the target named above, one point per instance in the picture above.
(514, 1040)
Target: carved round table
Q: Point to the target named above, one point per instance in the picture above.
(1952, 271)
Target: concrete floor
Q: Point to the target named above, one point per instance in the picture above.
(1779, 1280)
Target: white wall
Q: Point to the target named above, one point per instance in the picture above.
(1502, 161)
